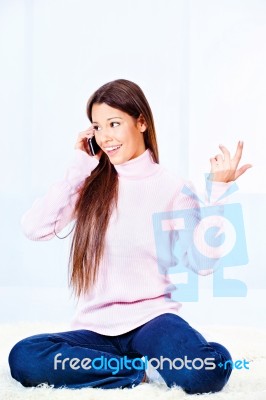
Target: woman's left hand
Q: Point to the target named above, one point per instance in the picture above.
(224, 169)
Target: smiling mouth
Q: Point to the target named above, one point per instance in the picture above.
(112, 149)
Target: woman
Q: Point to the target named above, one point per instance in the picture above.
(125, 310)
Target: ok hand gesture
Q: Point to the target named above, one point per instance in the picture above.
(224, 168)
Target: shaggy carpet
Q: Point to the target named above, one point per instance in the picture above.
(244, 384)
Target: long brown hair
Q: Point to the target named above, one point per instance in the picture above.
(99, 193)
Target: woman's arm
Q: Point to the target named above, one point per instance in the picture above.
(54, 211)
(190, 235)
(196, 251)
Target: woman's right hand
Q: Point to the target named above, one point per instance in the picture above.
(82, 142)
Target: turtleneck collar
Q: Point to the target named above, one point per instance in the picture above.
(138, 167)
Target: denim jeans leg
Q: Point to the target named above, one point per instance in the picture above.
(40, 359)
(171, 337)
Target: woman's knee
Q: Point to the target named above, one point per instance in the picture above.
(214, 378)
(17, 359)
(225, 364)
(204, 384)
(221, 350)
(22, 359)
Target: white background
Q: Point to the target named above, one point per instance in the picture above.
(202, 66)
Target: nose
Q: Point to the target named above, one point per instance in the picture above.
(105, 136)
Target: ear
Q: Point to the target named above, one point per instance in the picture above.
(141, 123)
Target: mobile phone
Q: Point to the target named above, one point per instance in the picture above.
(94, 147)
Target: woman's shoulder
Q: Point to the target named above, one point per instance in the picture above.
(173, 178)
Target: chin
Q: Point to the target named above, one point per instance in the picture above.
(118, 161)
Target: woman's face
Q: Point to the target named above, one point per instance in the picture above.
(118, 134)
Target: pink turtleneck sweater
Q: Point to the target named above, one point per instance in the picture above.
(130, 289)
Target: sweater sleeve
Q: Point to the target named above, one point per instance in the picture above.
(54, 211)
(189, 240)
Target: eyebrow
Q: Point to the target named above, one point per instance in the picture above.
(95, 122)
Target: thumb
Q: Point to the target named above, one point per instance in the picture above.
(243, 169)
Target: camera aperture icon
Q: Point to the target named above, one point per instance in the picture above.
(222, 233)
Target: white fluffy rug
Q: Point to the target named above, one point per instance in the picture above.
(242, 342)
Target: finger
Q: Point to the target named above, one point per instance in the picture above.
(88, 133)
(214, 164)
(241, 170)
(219, 158)
(226, 154)
(238, 153)
(91, 128)
(219, 162)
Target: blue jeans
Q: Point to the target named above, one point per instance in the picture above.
(66, 359)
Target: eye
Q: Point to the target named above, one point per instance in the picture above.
(114, 123)
(95, 127)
